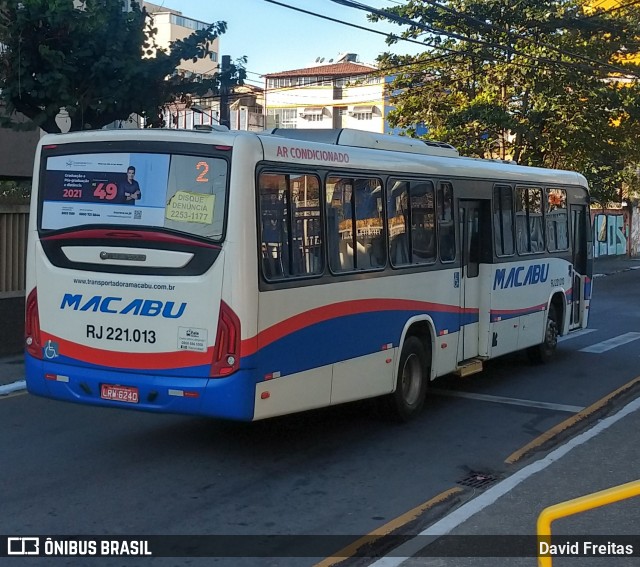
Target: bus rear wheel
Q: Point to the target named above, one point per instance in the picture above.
(546, 349)
(411, 385)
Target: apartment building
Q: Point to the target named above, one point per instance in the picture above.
(246, 111)
(172, 25)
(340, 94)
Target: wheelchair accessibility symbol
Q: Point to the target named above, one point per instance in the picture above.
(50, 349)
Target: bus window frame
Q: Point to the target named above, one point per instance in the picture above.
(277, 169)
(440, 185)
(355, 175)
(567, 203)
(418, 180)
(134, 146)
(543, 249)
(500, 186)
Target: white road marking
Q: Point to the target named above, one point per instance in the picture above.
(575, 334)
(612, 343)
(507, 401)
(14, 387)
(466, 511)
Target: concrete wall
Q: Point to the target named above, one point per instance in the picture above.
(11, 325)
(17, 151)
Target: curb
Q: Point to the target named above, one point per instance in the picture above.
(13, 387)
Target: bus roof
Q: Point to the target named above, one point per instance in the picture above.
(344, 148)
(352, 148)
(370, 140)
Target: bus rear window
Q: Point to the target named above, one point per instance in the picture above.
(174, 191)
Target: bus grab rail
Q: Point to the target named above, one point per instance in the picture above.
(575, 506)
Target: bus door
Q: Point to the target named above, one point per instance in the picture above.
(579, 258)
(470, 288)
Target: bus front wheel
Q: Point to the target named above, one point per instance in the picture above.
(411, 385)
(547, 348)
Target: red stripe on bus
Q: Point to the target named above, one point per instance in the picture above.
(342, 309)
(521, 310)
(131, 235)
(132, 360)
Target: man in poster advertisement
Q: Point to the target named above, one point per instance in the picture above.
(129, 190)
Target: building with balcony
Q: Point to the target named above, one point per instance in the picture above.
(172, 25)
(340, 94)
(246, 108)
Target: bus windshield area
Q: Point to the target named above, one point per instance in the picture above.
(185, 193)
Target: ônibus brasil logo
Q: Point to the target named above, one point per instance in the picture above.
(112, 304)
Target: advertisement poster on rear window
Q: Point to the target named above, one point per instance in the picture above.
(126, 188)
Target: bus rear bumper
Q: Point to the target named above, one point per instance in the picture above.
(231, 397)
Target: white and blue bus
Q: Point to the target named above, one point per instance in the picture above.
(247, 275)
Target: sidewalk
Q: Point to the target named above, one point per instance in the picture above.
(602, 457)
(608, 265)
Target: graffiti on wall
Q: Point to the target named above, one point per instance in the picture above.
(610, 236)
(634, 239)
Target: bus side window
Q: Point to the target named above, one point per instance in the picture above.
(529, 220)
(273, 227)
(305, 225)
(411, 222)
(340, 224)
(423, 222)
(446, 228)
(290, 225)
(397, 222)
(503, 220)
(354, 213)
(557, 220)
(369, 236)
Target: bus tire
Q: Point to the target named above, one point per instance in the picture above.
(407, 400)
(544, 352)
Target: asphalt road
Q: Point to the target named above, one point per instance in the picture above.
(67, 469)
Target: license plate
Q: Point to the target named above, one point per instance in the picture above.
(119, 393)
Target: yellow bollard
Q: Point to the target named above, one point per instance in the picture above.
(577, 505)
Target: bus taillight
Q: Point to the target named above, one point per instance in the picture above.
(32, 326)
(226, 358)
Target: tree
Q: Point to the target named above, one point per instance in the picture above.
(14, 192)
(544, 83)
(100, 62)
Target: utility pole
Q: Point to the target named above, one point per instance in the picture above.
(224, 91)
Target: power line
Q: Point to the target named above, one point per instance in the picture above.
(406, 21)
(342, 22)
(552, 62)
(483, 24)
(322, 16)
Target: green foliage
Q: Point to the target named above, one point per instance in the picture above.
(14, 192)
(97, 62)
(536, 81)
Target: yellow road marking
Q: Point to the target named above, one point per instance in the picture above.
(567, 423)
(388, 528)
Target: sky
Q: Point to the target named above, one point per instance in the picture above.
(275, 38)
